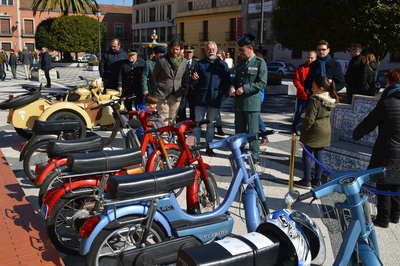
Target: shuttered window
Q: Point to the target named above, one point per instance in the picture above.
(28, 26)
(5, 26)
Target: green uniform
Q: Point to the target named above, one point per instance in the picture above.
(147, 77)
(252, 76)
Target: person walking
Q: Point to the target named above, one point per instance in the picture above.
(250, 78)
(45, 65)
(130, 80)
(386, 150)
(6, 59)
(2, 70)
(354, 73)
(316, 129)
(147, 76)
(13, 63)
(168, 76)
(324, 66)
(369, 75)
(301, 95)
(110, 64)
(211, 81)
(27, 62)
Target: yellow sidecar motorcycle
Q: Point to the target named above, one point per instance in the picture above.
(76, 104)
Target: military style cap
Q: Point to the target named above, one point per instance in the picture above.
(189, 49)
(159, 50)
(132, 52)
(246, 39)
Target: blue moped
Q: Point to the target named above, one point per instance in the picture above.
(359, 240)
(143, 223)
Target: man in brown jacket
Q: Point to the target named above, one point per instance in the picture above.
(168, 75)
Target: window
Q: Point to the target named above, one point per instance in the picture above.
(118, 29)
(152, 15)
(148, 35)
(231, 35)
(204, 35)
(162, 16)
(137, 16)
(297, 54)
(28, 27)
(190, 5)
(143, 35)
(162, 35)
(169, 33)
(136, 36)
(6, 46)
(169, 12)
(6, 2)
(395, 57)
(182, 31)
(213, 3)
(5, 26)
(30, 46)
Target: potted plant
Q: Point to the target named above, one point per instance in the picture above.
(93, 66)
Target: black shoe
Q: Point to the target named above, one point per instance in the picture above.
(220, 131)
(381, 223)
(315, 183)
(302, 184)
(47, 86)
(394, 220)
(210, 153)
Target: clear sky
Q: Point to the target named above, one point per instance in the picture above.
(116, 2)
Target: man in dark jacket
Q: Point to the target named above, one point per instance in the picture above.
(386, 151)
(168, 76)
(147, 76)
(45, 65)
(110, 64)
(27, 62)
(13, 63)
(324, 66)
(354, 73)
(130, 80)
(212, 82)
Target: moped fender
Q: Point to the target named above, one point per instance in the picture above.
(48, 169)
(66, 188)
(111, 215)
(35, 139)
(67, 106)
(252, 213)
(151, 161)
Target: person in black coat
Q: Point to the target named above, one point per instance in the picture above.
(386, 150)
(13, 63)
(130, 80)
(324, 66)
(354, 73)
(369, 75)
(110, 64)
(45, 65)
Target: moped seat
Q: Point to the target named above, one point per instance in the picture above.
(151, 183)
(103, 161)
(61, 148)
(55, 126)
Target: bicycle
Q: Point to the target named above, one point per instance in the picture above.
(360, 242)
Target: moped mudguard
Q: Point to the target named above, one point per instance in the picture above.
(67, 106)
(35, 139)
(252, 213)
(152, 159)
(48, 169)
(111, 215)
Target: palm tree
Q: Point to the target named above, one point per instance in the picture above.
(65, 6)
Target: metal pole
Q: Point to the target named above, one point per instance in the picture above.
(291, 163)
(262, 24)
(98, 19)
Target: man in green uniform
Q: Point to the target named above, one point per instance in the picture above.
(250, 78)
(147, 77)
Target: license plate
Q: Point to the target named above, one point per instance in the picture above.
(44, 211)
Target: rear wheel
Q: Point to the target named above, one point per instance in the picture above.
(35, 159)
(53, 180)
(111, 241)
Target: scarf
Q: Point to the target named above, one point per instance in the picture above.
(176, 61)
(390, 90)
(322, 63)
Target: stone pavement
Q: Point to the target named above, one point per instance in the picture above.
(277, 111)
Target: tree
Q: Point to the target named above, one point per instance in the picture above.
(65, 6)
(298, 24)
(44, 36)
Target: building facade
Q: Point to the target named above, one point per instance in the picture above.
(203, 20)
(149, 15)
(18, 24)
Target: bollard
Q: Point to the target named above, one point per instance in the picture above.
(291, 163)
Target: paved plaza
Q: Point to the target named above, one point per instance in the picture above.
(277, 112)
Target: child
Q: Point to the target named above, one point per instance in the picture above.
(316, 129)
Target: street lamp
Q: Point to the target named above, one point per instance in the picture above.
(98, 15)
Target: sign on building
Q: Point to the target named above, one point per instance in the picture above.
(255, 8)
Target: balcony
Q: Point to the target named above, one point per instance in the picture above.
(5, 34)
(230, 36)
(203, 36)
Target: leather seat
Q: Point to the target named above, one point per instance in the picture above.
(55, 126)
(103, 161)
(147, 184)
(61, 148)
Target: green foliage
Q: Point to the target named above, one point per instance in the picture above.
(70, 34)
(44, 36)
(298, 24)
(65, 6)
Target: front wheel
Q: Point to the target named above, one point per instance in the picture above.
(111, 241)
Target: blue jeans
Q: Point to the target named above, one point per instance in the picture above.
(300, 108)
(308, 164)
(209, 113)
